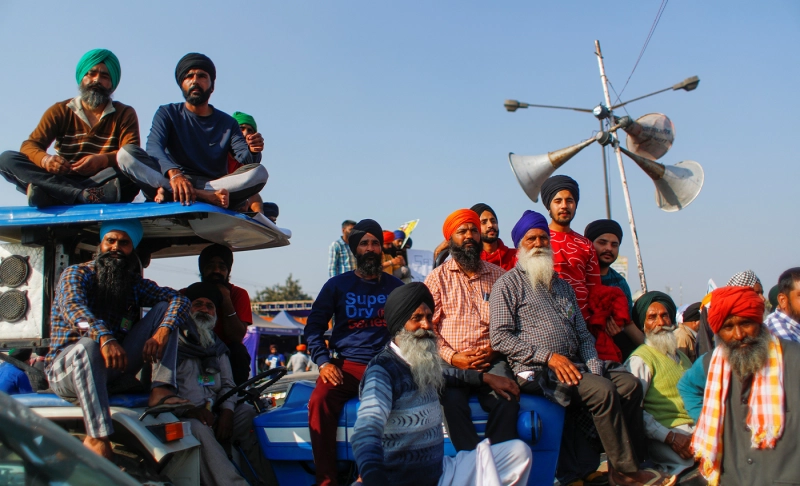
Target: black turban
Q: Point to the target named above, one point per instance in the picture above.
(643, 303)
(271, 210)
(555, 184)
(692, 313)
(215, 250)
(601, 227)
(481, 207)
(194, 60)
(362, 228)
(402, 303)
(207, 290)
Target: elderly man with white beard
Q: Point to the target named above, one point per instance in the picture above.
(204, 374)
(398, 437)
(536, 322)
(659, 366)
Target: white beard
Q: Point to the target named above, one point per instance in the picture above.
(205, 323)
(538, 265)
(419, 350)
(664, 341)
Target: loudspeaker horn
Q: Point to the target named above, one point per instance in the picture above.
(650, 136)
(676, 185)
(532, 170)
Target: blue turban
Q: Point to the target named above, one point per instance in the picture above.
(399, 235)
(95, 57)
(528, 221)
(131, 227)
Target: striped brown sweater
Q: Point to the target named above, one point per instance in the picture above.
(65, 124)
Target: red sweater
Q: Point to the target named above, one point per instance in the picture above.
(575, 261)
(504, 257)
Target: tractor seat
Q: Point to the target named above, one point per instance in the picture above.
(44, 400)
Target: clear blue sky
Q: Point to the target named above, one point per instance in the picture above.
(394, 111)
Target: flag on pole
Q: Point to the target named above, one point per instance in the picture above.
(408, 228)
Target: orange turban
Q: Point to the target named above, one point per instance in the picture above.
(388, 237)
(301, 347)
(456, 219)
(734, 301)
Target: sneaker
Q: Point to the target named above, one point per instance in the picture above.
(37, 198)
(107, 193)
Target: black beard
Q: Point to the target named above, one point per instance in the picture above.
(467, 256)
(746, 361)
(198, 99)
(603, 264)
(562, 221)
(489, 239)
(116, 276)
(369, 264)
(95, 95)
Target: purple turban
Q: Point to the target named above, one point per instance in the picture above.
(528, 221)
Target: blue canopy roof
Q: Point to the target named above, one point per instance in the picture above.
(282, 324)
(173, 229)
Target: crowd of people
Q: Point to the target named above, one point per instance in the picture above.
(658, 390)
(698, 392)
(194, 151)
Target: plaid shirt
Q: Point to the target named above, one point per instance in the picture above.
(340, 258)
(528, 324)
(783, 326)
(75, 312)
(461, 317)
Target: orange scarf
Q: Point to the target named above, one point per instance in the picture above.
(765, 419)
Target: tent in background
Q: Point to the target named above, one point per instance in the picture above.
(283, 324)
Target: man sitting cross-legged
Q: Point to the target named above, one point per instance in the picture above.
(88, 130)
(398, 437)
(204, 375)
(659, 365)
(537, 323)
(96, 334)
(188, 146)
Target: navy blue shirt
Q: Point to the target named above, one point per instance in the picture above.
(359, 330)
(197, 145)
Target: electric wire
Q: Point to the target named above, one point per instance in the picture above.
(644, 47)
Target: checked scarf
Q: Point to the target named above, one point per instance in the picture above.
(765, 418)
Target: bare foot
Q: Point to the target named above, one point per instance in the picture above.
(217, 198)
(161, 195)
(159, 392)
(101, 447)
(256, 206)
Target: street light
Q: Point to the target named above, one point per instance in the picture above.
(688, 84)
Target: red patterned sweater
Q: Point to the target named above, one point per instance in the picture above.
(575, 261)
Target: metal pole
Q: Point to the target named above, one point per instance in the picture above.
(634, 235)
(605, 176)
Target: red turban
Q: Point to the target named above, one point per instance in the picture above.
(734, 301)
(388, 237)
(456, 219)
